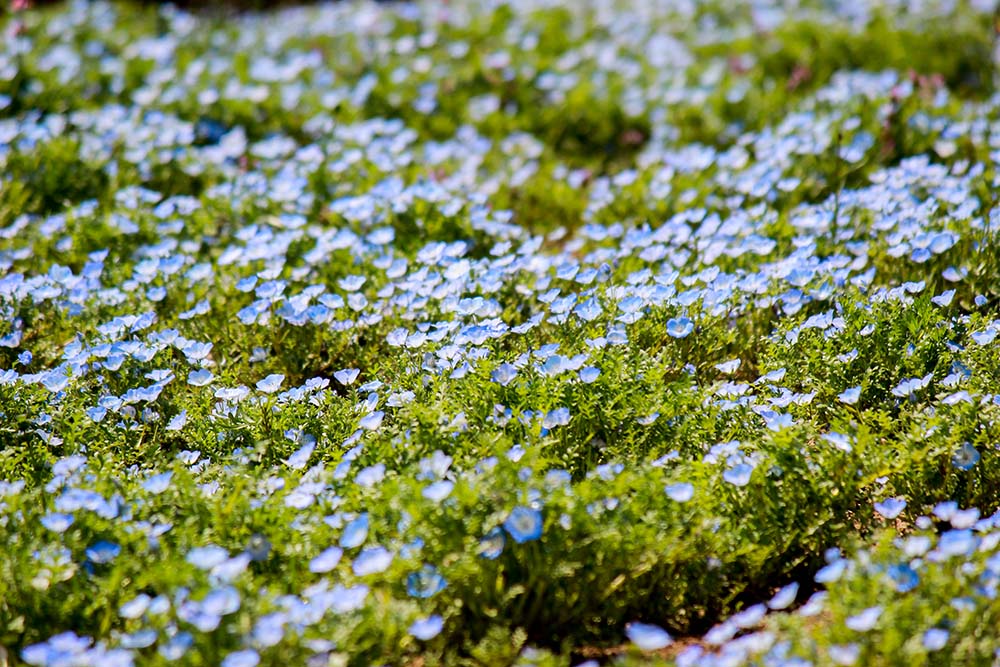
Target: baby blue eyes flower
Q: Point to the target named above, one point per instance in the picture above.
(158, 483)
(738, 475)
(891, 507)
(865, 620)
(207, 557)
(648, 637)
(944, 298)
(355, 532)
(438, 491)
(372, 420)
(679, 327)
(784, 597)
(178, 421)
(245, 658)
(200, 378)
(557, 417)
(850, 396)
(589, 374)
(904, 577)
(103, 552)
(326, 560)
(935, 639)
(372, 561)
(730, 366)
(491, 545)
(589, 310)
(966, 457)
(135, 607)
(271, 383)
(347, 376)
(425, 582)
(428, 628)
(57, 523)
(504, 374)
(680, 492)
(300, 458)
(176, 646)
(524, 524)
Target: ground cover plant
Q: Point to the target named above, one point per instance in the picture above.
(513, 332)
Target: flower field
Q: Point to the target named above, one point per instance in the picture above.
(521, 332)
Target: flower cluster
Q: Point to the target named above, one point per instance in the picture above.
(494, 333)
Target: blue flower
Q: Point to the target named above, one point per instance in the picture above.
(425, 582)
(966, 457)
(245, 658)
(891, 507)
(524, 524)
(428, 628)
(648, 637)
(103, 552)
(271, 383)
(56, 522)
(850, 396)
(679, 327)
(355, 532)
(557, 417)
(503, 374)
(491, 545)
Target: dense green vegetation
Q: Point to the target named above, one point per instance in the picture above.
(461, 333)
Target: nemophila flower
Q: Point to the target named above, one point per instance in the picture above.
(865, 620)
(890, 508)
(554, 418)
(177, 646)
(438, 491)
(200, 377)
(784, 597)
(589, 374)
(503, 374)
(944, 298)
(178, 421)
(729, 367)
(491, 545)
(850, 396)
(738, 475)
(135, 607)
(935, 639)
(908, 388)
(648, 637)
(103, 552)
(524, 524)
(839, 440)
(371, 561)
(158, 483)
(326, 560)
(372, 421)
(355, 532)
(370, 476)
(966, 457)
(245, 658)
(427, 628)
(258, 548)
(844, 654)
(345, 599)
(680, 492)
(347, 376)
(679, 327)
(300, 458)
(57, 522)
(207, 557)
(271, 383)
(425, 582)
